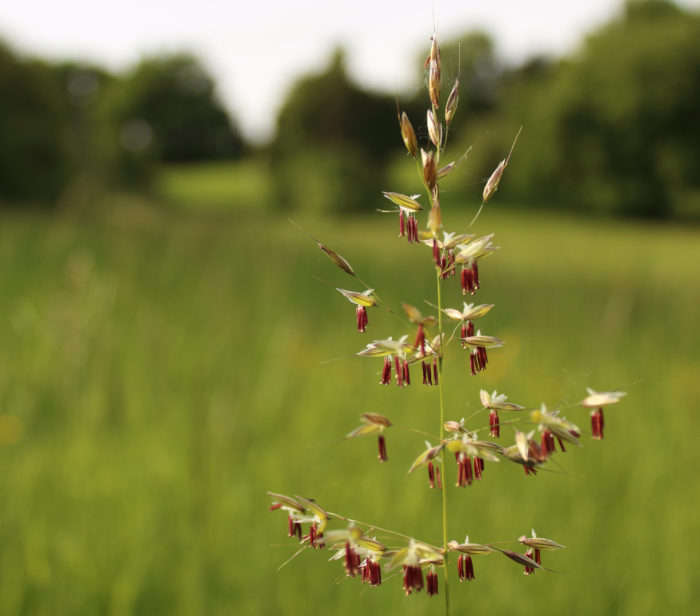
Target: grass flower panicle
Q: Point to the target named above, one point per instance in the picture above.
(425, 339)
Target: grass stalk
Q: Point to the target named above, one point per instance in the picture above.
(442, 453)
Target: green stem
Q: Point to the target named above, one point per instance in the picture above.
(442, 453)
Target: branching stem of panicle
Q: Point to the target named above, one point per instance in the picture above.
(442, 453)
(371, 527)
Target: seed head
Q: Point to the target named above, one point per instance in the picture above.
(387, 346)
(558, 426)
(337, 259)
(467, 445)
(434, 129)
(521, 559)
(493, 181)
(427, 456)
(434, 67)
(373, 423)
(409, 135)
(483, 341)
(360, 298)
(451, 104)
(443, 171)
(540, 543)
(429, 168)
(496, 401)
(601, 398)
(405, 202)
(469, 313)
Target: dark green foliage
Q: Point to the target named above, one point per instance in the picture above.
(166, 109)
(65, 124)
(631, 104)
(613, 129)
(34, 136)
(333, 143)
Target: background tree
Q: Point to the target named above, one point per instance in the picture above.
(35, 161)
(615, 128)
(166, 109)
(333, 143)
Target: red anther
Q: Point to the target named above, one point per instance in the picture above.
(375, 573)
(313, 537)
(475, 276)
(436, 253)
(547, 444)
(465, 567)
(535, 452)
(597, 423)
(412, 232)
(431, 474)
(382, 449)
(464, 470)
(538, 558)
(466, 280)
(352, 561)
(399, 371)
(364, 567)
(528, 569)
(412, 578)
(464, 335)
(420, 339)
(483, 358)
(294, 528)
(402, 224)
(406, 373)
(478, 360)
(386, 372)
(362, 319)
(438, 479)
(561, 444)
(431, 583)
(371, 572)
(470, 329)
(494, 425)
(477, 468)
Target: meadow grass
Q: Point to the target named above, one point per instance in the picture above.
(160, 371)
(226, 185)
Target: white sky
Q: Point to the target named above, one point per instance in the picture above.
(255, 49)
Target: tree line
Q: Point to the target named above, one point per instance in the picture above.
(614, 128)
(62, 122)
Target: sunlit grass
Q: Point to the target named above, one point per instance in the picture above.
(225, 185)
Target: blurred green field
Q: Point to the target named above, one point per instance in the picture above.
(160, 370)
(221, 185)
